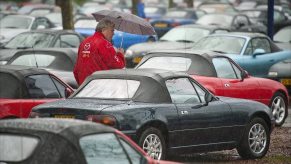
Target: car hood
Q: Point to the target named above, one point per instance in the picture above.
(166, 45)
(76, 105)
(9, 33)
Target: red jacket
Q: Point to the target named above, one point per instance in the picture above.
(96, 53)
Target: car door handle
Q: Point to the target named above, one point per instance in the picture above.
(226, 85)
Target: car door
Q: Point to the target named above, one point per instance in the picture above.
(232, 82)
(258, 64)
(200, 124)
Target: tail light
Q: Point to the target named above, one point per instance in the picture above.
(34, 115)
(103, 119)
(175, 24)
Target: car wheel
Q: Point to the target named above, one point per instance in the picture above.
(279, 108)
(255, 141)
(153, 143)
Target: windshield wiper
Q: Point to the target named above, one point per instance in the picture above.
(185, 41)
(24, 47)
(222, 52)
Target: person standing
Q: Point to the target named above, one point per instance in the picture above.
(140, 9)
(97, 52)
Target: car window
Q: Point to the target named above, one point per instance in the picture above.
(16, 148)
(249, 49)
(223, 68)
(110, 89)
(15, 22)
(236, 70)
(40, 22)
(200, 92)
(168, 63)
(226, 44)
(134, 155)
(103, 148)
(9, 86)
(41, 86)
(61, 88)
(38, 12)
(30, 40)
(261, 43)
(182, 91)
(68, 41)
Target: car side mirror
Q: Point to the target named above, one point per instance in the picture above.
(244, 74)
(68, 92)
(208, 98)
(259, 51)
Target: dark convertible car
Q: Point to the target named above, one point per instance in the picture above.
(167, 112)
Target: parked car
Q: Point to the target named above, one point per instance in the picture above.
(175, 17)
(261, 15)
(40, 39)
(167, 113)
(59, 61)
(38, 9)
(254, 52)
(66, 141)
(283, 38)
(23, 88)
(235, 22)
(154, 11)
(86, 27)
(217, 7)
(222, 77)
(180, 37)
(12, 25)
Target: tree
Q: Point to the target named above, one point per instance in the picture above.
(189, 3)
(67, 13)
(134, 7)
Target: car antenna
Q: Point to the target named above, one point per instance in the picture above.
(34, 56)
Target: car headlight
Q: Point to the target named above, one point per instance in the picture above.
(273, 74)
(128, 53)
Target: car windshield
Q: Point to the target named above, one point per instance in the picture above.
(29, 40)
(109, 89)
(223, 20)
(225, 44)
(167, 63)
(185, 34)
(15, 22)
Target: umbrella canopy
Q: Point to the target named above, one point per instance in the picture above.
(126, 22)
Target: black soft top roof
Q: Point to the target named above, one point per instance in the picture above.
(21, 71)
(68, 128)
(152, 87)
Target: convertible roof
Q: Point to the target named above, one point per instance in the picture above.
(64, 127)
(152, 87)
(21, 71)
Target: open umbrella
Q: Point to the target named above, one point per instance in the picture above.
(126, 22)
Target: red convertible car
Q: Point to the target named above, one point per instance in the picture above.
(223, 77)
(22, 88)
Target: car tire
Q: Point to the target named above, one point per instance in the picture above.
(255, 141)
(153, 143)
(279, 108)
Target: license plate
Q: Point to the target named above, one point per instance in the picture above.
(286, 81)
(64, 116)
(160, 25)
(137, 59)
